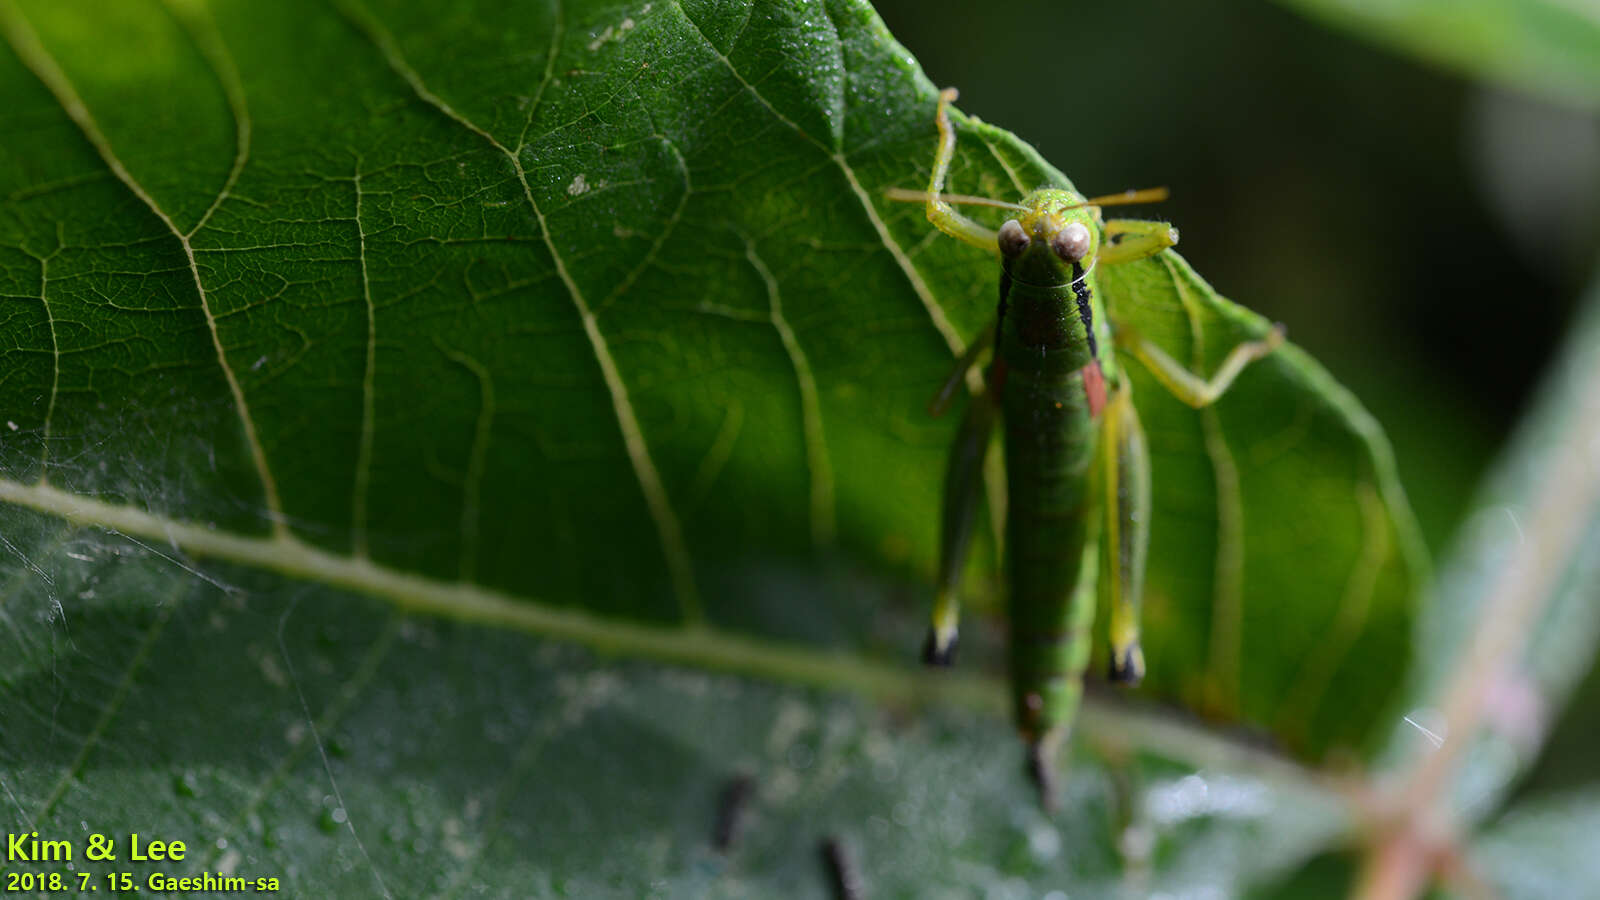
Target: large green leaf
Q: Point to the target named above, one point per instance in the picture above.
(588, 321)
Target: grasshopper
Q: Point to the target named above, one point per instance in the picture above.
(1077, 467)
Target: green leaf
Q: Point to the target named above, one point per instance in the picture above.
(591, 322)
(1548, 46)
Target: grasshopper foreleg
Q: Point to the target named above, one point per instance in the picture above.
(940, 212)
(1126, 240)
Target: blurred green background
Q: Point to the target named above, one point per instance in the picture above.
(1423, 234)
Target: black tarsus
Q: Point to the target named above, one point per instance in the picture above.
(731, 809)
(844, 877)
(1124, 667)
(931, 655)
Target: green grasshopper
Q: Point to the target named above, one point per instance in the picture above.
(1077, 467)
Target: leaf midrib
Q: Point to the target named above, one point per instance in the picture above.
(701, 647)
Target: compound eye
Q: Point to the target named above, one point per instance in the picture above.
(1013, 240)
(1070, 243)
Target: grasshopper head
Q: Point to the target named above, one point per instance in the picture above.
(1054, 233)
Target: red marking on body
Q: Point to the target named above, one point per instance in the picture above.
(1094, 388)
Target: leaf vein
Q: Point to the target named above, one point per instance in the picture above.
(936, 313)
(25, 43)
(201, 30)
(702, 648)
(359, 491)
(817, 462)
(55, 357)
(557, 32)
(473, 484)
(1016, 179)
(666, 231)
(108, 713)
(1223, 656)
(668, 529)
(1310, 687)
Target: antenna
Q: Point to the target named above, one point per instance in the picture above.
(909, 196)
(1124, 198)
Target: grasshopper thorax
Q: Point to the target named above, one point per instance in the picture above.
(1052, 235)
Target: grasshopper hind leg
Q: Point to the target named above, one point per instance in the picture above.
(963, 488)
(1125, 531)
